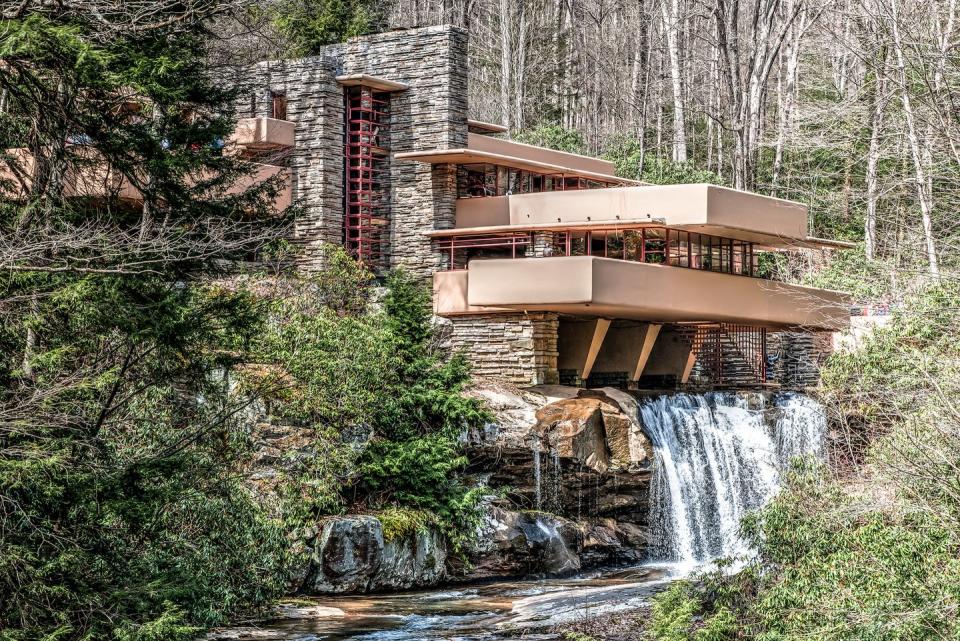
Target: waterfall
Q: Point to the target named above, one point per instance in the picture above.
(536, 477)
(801, 427)
(716, 459)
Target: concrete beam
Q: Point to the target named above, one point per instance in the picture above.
(649, 338)
(599, 332)
(688, 368)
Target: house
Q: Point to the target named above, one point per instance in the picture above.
(546, 265)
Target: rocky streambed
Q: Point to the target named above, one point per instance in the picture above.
(569, 474)
(492, 611)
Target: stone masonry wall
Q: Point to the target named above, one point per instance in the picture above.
(794, 358)
(315, 104)
(431, 114)
(519, 348)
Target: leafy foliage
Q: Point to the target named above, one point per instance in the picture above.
(554, 136)
(308, 26)
(626, 155)
(386, 402)
(873, 561)
(121, 513)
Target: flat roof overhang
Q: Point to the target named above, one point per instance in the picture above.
(481, 127)
(482, 149)
(719, 211)
(366, 80)
(608, 288)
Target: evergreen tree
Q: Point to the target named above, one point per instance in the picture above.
(120, 513)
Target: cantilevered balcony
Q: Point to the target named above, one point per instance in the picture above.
(96, 180)
(263, 134)
(700, 208)
(588, 286)
(486, 150)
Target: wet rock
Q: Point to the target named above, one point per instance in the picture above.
(415, 560)
(347, 555)
(630, 447)
(600, 465)
(523, 544)
(351, 555)
(296, 611)
(608, 542)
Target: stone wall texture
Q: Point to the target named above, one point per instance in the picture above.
(315, 104)
(519, 348)
(431, 114)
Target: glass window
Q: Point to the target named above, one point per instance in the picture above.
(489, 180)
(473, 184)
(598, 243)
(654, 245)
(578, 243)
(615, 245)
(513, 181)
(683, 249)
(278, 105)
(571, 183)
(633, 244)
(560, 244)
(673, 248)
(536, 184)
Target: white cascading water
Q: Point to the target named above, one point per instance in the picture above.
(717, 459)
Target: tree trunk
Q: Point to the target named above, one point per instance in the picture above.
(873, 157)
(506, 65)
(924, 198)
(670, 11)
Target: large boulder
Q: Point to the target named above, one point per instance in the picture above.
(414, 560)
(574, 428)
(524, 543)
(607, 541)
(630, 447)
(351, 555)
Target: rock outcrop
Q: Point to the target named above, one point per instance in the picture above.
(351, 555)
(574, 428)
(583, 455)
(571, 468)
(523, 544)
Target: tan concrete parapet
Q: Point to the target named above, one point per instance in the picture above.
(602, 287)
(702, 208)
(502, 147)
(263, 133)
(98, 180)
(719, 211)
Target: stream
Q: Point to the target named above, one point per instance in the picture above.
(480, 612)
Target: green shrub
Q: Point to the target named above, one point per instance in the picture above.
(625, 154)
(554, 136)
(399, 523)
(308, 26)
(344, 369)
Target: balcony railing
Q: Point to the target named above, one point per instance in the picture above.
(648, 244)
